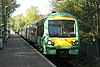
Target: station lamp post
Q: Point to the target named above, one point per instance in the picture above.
(6, 24)
(1, 36)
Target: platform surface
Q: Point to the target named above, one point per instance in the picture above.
(17, 53)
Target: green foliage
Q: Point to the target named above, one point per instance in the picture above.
(12, 5)
(21, 20)
(17, 21)
(9, 6)
(85, 10)
(31, 14)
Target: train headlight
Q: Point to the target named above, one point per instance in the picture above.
(75, 43)
(50, 43)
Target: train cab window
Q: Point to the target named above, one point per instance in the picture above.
(61, 27)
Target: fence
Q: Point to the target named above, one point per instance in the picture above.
(90, 49)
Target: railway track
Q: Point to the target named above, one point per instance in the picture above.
(58, 61)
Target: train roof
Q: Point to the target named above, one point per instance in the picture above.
(33, 22)
(62, 14)
(55, 14)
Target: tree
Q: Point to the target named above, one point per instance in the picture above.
(21, 20)
(85, 10)
(17, 21)
(31, 14)
(8, 7)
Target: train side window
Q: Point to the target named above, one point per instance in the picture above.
(40, 30)
(40, 27)
(34, 31)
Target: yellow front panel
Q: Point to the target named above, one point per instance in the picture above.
(61, 18)
(62, 41)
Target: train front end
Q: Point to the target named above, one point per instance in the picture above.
(63, 35)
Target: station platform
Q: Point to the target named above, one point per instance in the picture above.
(18, 53)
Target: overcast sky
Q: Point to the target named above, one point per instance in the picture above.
(43, 6)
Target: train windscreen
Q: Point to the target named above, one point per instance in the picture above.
(61, 28)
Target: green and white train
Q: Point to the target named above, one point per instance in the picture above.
(57, 33)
